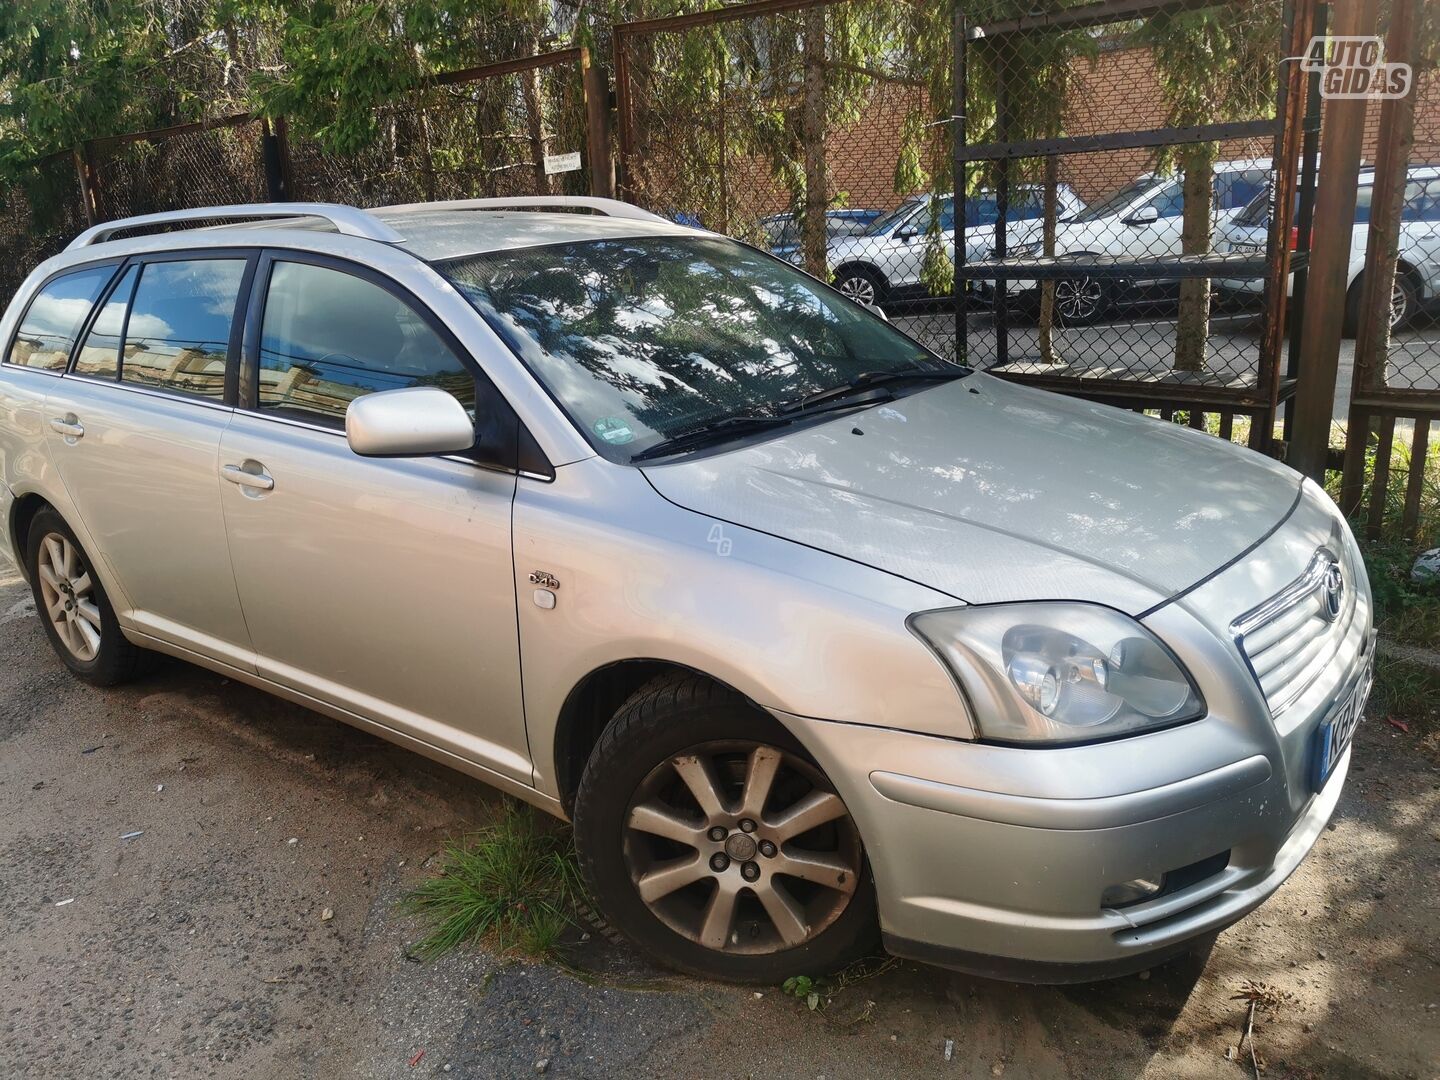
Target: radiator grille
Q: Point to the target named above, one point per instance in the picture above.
(1290, 638)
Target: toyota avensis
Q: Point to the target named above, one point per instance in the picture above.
(813, 635)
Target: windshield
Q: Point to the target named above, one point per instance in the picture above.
(1120, 199)
(886, 222)
(642, 339)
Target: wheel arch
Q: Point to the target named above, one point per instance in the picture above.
(869, 269)
(592, 704)
(22, 513)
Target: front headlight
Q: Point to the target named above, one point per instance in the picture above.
(1058, 673)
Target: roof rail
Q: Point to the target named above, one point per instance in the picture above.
(346, 219)
(609, 207)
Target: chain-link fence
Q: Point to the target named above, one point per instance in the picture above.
(38, 220)
(822, 130)
(515, 128)
(805, 130)
(202, 164)
(502, 130)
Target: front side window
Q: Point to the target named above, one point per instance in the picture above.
(642, 339)
(329, 337)
(99, 356)
(52, 321)
(178, 335)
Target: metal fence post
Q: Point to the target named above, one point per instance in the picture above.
(597, 127)
(1341, 141)
(958, 31)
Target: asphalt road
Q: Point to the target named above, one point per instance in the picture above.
(167, 851)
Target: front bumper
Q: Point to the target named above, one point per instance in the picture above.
(1010, 885)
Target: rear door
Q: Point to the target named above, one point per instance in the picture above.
(383, 587)
(134, 432)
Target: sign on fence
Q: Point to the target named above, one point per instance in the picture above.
(561, 163)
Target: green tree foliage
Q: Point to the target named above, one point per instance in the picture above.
(1213, 65)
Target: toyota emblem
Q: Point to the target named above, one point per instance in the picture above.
(1332, 591)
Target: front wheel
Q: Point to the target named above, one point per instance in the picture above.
(1402, 303)
(713, 841)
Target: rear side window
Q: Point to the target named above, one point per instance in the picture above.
(178, 335)
(48, 330)
(100, 354)
(329, 337)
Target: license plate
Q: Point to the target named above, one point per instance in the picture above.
(1333, 737)
(1247, 247)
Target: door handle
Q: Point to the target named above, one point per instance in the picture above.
(70, 427)
(260, 480)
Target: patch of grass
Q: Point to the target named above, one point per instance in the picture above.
(1406, 691)
(516, 881)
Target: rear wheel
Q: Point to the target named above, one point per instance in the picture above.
(1081, 301)
(714, 842)
(860, 284)
(73, 607)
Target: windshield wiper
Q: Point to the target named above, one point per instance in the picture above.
(726, 427)
(868, 380)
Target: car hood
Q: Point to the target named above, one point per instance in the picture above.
(993, 492)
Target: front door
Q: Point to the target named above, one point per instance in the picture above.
(383, 587)
(135, 434)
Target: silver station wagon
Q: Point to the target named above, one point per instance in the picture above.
(815, 636)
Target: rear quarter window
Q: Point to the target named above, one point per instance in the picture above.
(52, 321)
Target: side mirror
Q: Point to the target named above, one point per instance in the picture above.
(906, 233)
(414, 422)
(1146, 215)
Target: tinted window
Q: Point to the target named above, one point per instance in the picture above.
(1422, 201)
(329, 337)
(178, 333)
(100, 354)
(47, 333)
(1238, 189)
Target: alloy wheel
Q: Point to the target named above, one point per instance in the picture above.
(742, 848)
(858, 288)
(1078, 299)
(1399, 304)
(68, 592)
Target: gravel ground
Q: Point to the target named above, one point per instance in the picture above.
(200, 948)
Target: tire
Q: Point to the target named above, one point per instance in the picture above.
(92, 645)
(687, 719)
(1403, 303)
(861, 284)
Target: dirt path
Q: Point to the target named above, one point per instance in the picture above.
(199, 947)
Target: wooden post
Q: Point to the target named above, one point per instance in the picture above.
(1340, 144)
(597, 128)
(85, 171)
(1382, 242)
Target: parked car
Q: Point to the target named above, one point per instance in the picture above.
(782, 231)
(1140, 220)
(886, 261)
(813, 634)
(1417, 280)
